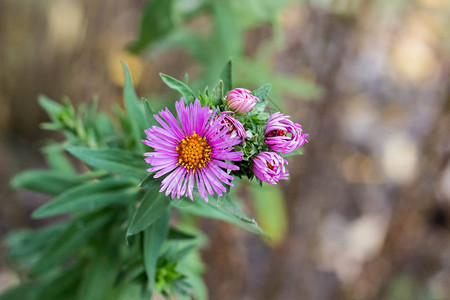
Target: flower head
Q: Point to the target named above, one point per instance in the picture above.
(235, 128)
(241, 100)
(270, 167)
(283, 135)
(191, 151)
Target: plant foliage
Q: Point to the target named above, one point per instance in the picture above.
(116, 240)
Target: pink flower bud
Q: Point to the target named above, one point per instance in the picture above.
(270, 167)
(283, 135)
(241, 100)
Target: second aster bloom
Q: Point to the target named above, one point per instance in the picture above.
(270, 167)
(241, 100)
(235, 128)
(283, 135)
(191, 152)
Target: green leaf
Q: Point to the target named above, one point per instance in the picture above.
(25, 244)
(99, 276)
(226, 77)
(116, 161)
(152, 207)
(149, 182)
(185, 250)
(262, 92)
(53, 108)
(226, 211)
(61, 286)
(218, 93)
(156, 22)
(105, 130)
(258, 115)
(298, 151)
(90, 113)
(91, 196)
(198, 285)
(154, 237)
(151, 121)
(134, 109)
(46, 181)
(192, 266)
(182, 88)
(125, 124)
(57, 159)
(178, 235)
(69, 241)
(270, 210)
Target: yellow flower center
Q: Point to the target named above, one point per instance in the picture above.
(194, 152)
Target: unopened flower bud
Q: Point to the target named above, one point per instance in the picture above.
(270, 167)
(283, 135)
(241, 100)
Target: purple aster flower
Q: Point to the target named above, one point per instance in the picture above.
(270, 167)
(235, 128)
(191, 152)
(241, 100)
(283, 135)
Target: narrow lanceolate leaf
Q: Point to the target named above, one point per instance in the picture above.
(52, 108)
(154, 237)
(113, 160)
(91, 196)
(181, 87)
(226, 77)
(151, 121)
(218, 93)
(151, 208)
(262, 92)
(46, 181)
(134, 109)
(222, 208)
(69, 241)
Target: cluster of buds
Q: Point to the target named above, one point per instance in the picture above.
(281, 135)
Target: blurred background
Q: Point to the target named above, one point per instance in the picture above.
(366, 214)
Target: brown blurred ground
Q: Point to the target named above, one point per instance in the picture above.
(369, 201)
